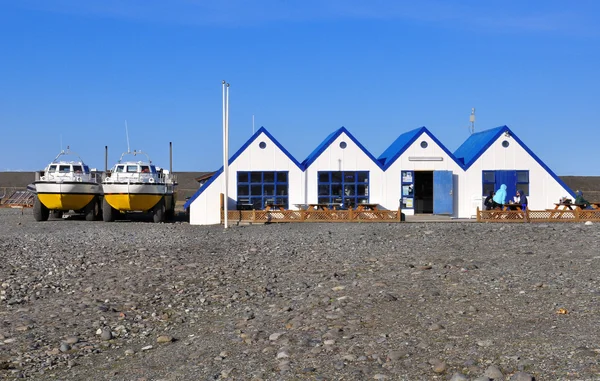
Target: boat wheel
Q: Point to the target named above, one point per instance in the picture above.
(108, 212)
(92, 210)
(159, 211)
(40, 212)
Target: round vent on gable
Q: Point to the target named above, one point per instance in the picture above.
(505, 143)
(424, 144)
(262, 145)
(343, 145)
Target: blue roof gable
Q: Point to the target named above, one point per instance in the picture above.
(477, 144)
(329, 140)
(401, 144)
(236, 155)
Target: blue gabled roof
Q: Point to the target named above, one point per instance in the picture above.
(235, 156)
(477, 144)
(401, 144)
(329, 140)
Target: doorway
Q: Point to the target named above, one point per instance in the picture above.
(423, 189)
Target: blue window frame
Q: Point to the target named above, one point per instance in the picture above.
(343, 187)
(514, 180)
(256, 190)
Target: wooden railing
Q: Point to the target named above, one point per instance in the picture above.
(272, 216)
(548, 215)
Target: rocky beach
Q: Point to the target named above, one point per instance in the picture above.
(133, 300)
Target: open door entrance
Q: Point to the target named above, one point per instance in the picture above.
(423, 189)
(443, 197)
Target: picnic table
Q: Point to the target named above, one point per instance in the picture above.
(363, 207)
(567, 206)
(269, 207)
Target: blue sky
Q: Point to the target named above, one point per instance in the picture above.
(74, 71)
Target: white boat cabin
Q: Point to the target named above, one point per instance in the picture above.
(67, 171)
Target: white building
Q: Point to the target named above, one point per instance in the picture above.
(416, 172)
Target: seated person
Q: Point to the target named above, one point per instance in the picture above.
(579, 200)
(522, 199)
(489, 201)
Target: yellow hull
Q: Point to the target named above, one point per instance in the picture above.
(131, 202)
(65, 201)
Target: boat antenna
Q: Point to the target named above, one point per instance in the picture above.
(127, 134)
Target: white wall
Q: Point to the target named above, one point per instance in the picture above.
(351, 158)
(544, 190)
(205, 209)
(392, 181)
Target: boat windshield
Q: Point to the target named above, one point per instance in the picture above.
(77, 169)
(64, 169)
(52, 168)
(120, 169)
(86, 169)
(132, 168)
(145, 169)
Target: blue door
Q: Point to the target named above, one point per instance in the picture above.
(509, 178)
(443, 198)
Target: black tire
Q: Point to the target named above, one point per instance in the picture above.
(108, 212)
(158, 212)
(40, 212)
(170, 213)
(57, 214)
(92, 210)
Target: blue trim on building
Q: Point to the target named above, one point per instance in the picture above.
(478, 143)
(237, 154)
(329, 140)
(401, 144)
(202, 188)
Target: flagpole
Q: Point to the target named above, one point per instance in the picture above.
(226, 154)
(224, 157)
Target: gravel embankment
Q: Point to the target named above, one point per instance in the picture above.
(447, 301)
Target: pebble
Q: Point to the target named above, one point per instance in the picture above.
(521, 376)
(147, 348)
(106, 335)
(494, 373)
(459, 377)
(164, 339)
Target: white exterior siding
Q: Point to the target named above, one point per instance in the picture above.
(351, 158)
(544, 190)
(384, 186)
(205, 209)
(392, 173)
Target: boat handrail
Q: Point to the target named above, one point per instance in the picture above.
(67, 152)
(134, 153)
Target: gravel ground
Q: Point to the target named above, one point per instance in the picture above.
(413, 301)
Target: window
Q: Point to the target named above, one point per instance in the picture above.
(77, 168)
(408, 186)
(132, 168)
(64, 169)
(505, 144)
(262, 145)
(347, 187)
(514, 180)
(424, 144)
(120, 169)
(257, 189)
(86, 169)
(489, 182)
(145, 169)
(523, 181)
(52, 169)
(343, 145)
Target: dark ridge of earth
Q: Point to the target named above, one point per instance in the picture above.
(406, 301)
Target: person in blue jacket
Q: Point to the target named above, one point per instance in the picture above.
(522, 199)
(500, 196)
